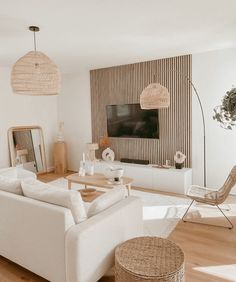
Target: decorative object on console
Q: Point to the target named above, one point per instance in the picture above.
(91, 148)
(155, 102)
(225, 114)
(155, 96)
(35, 73)
(108, 155)
(104, 142)
(179, 159)
(134, 161)
(167, 164)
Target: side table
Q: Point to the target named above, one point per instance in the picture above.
(149, 259)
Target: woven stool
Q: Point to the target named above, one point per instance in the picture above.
(149, 259)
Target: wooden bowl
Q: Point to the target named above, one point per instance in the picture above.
(88, 192)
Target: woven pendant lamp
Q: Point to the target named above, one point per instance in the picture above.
(155, 96)
(35, 73)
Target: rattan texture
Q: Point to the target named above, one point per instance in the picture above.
(35, 74)
(155, 96)
(210, 196)
(149, 259)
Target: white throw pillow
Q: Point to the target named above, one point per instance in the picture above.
(45, 192)
(106, 200)
(17, 172)
(11, 185)
(24, 173)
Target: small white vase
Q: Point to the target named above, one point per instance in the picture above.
(90, 168)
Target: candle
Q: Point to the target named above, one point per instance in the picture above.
(83, 157)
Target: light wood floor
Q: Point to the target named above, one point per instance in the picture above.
(205, 248)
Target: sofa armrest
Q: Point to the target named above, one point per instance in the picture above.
(90, 245)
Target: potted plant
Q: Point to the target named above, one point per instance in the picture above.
(179, 159)
(225, 114)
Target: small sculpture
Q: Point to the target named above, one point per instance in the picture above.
(108, 155)
(179, 159)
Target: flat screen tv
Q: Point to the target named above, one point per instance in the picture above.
(130, 121)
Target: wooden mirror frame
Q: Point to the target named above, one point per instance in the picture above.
(12, 149)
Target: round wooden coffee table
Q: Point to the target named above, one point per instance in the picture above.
(149, 259)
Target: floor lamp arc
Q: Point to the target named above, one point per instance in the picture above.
(156, 96)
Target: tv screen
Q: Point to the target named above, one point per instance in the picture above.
(131, 121)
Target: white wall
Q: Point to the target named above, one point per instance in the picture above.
(75, 111)
(18, 110)
(213, 74)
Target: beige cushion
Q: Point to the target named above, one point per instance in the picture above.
(70, 199)
(11, 185)
(107, 200)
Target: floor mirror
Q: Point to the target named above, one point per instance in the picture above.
(26, 146)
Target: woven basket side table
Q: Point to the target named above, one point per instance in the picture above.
(149, 259)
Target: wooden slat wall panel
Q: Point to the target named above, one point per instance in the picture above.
(124, 84)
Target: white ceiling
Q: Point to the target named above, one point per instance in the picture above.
(90, 34)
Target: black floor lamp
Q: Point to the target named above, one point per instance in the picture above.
(156, 96)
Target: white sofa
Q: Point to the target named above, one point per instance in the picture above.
(45, 239)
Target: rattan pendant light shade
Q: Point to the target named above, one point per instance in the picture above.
(35, 74)
(155, 96)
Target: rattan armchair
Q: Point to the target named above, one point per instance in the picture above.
(212, 197)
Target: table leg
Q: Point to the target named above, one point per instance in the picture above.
(69, 184)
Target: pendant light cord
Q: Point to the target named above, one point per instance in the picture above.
(34, 42)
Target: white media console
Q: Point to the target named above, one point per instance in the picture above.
(147, 176)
